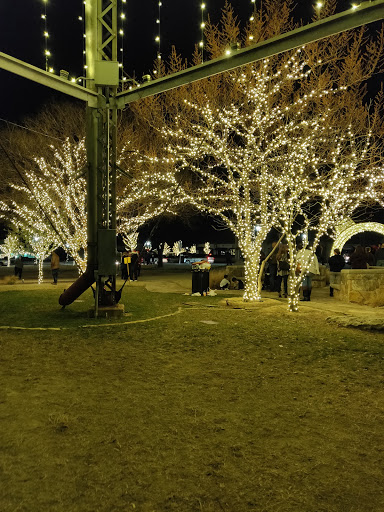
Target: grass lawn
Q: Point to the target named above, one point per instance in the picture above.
(258, 411)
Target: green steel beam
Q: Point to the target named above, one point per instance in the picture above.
(35, 74)
(367, 12)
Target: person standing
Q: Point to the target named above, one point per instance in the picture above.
(55, 265)
(308, 260)
(228, 258)
(282, 269)
(134, 265)
(379, 255)
(19, 266)
(273, 269)
(359, 258)
(336, 264)
(124, 266)
(371, 260)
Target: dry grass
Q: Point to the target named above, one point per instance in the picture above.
(257, 413)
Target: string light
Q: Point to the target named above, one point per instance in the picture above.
(158, 37)
(202, 29)
(343, 233)
(277, 173)
(53, 207)
(252, 18)
(121, 33)
(81, 18)
(47, 53)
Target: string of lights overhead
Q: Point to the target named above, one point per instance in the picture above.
(252, 19)
(122, 17)
(318, 7)
(158, 39)
(202, 29)
(47, 53)
(81, 18)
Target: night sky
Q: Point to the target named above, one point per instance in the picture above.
(21, 35)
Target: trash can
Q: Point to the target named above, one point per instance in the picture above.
(200, 281)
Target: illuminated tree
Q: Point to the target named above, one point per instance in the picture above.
(51, 201)
(41, 245)
(130, 239)
(166, 249)
(178, 248)
(12, 246)
(284, 143)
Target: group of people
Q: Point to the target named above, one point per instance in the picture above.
(225, 284)
(279, 269)
(55, 266)
(130, 265)
(364, 258)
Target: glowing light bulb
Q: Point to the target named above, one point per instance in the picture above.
(203, 6)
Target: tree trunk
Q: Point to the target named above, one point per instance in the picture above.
(293, 292)
(160, 255)
(40, 263)
(261, 270)
(251, 267)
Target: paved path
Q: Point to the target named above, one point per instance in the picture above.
(173, 280)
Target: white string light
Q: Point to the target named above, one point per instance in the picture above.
(202, 29)
(122, 17)
(158, 36)
(47, 53)
(82, 20)
(252, 18)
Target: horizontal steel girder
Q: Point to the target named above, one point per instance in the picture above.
(367, 12)
(35, 74)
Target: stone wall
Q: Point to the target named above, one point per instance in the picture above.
(365, 286)
(322, 279)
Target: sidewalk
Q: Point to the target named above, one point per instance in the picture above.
(341, 313)
(180, 281)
